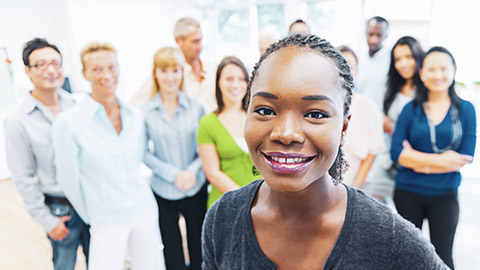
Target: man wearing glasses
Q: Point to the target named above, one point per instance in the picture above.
(30, 153)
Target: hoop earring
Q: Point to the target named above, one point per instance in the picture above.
(339, 167)
(255, 172)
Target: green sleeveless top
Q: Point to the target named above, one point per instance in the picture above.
(234, 162)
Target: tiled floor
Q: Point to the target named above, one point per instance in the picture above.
(23, 243)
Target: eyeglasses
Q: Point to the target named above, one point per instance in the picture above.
(43, 65)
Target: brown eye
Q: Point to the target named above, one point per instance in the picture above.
(316, 115)
(264, 111)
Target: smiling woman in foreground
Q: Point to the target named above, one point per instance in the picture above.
(299, 217)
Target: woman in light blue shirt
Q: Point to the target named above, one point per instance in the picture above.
(99, 147)
(178, 182)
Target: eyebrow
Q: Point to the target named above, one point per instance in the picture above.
(307, 98)
(317, 97)
(265, 95)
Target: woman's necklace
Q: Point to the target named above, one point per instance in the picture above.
(457, 131)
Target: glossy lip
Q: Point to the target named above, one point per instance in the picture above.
(287, 168)
(406, 70)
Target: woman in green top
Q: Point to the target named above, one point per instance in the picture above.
(221, 143)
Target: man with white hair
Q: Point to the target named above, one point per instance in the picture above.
(199, 76)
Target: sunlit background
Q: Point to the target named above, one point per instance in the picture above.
(137, 28)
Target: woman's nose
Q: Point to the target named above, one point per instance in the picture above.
(287, 131)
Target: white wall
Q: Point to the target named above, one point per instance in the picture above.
(136, 28)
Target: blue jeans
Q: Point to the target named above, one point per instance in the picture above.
(65, 250)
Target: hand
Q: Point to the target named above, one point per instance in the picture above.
(450, 161)
(60, 231)
(406, 145)
(185, 180)
(388, 125)
(455, 160)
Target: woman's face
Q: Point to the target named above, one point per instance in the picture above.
(437, 72)
(169, 79)
(295, 120)
(404, 61)
(233, 84)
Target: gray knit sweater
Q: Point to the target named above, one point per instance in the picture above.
(372, 237)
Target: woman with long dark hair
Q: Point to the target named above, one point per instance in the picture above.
(434, 138)
(401, 84)
(221, 142)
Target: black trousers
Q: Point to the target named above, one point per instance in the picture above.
(194, 210)
(441, 212)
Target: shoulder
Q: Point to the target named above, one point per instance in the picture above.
(145, 106)
(367, 210)
(233, 201)
(16, 115)
(208, 119)
(136, 112)
(410, 248)
(75, 113)
(66, 97)
(366, 213)
(64, 119)
(227, 219)
(387, 236)
(409, 106)
(15, 122)
(228, 210)
(366, 104)
(228, 238)
(409, 110)
(193, 102)
(466, 107)
(208, 67)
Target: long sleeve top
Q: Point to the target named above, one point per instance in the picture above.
(30, 155)
(412, 125)
(172, 145)
(98, 169)
(372, 237)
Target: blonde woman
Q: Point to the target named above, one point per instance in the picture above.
(178, 182)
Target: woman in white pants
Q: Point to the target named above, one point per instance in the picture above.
(99, 145)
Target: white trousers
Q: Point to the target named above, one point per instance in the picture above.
(110, 242)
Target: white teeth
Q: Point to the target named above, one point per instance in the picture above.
(289, 160)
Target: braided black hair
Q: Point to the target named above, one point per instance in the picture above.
(317, 44)
(324, 47)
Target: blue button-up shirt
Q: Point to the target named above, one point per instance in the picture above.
(98, 169)
(174, 144)
(30, 155)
